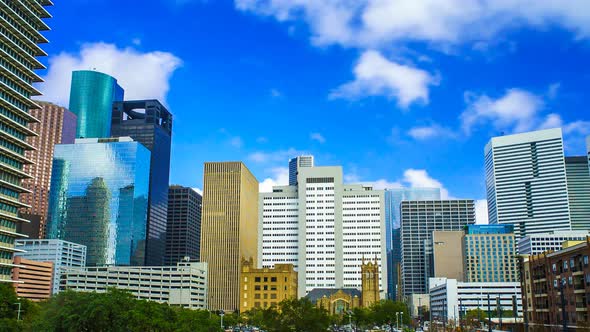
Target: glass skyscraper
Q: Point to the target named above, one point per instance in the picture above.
(149, 123)
(393, 198)
(91, 98)
(99, 195)
(21, 22)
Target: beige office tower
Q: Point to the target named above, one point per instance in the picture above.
(229, 229)
(448, 255)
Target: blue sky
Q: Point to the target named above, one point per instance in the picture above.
(397, 92)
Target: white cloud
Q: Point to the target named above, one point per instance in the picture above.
(430, 132)
(377, 76)
(275, 156)
(317, 137)
(198, 190)
(275, 93)
(516, 111)
(142, 75)
(373, 23)
(481, 211)
(280, 177)
(413, 178)
(553, 90)
(236, 142)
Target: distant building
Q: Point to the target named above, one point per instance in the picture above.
(449, 296)
(324, 228)
(183, 238)
(370, 283)
(62, 254)
(22, 23)
(578, 186)
(149, 123)
(490, 254)
(265, 288)
(558, 280)
(448, 255)
(56, 125)
(418, 220)
(295, 164)
(229, 229)
(32, 279)
(393, 199)
(526, 182)
(536, 244)
(99, 194)
(182, 285)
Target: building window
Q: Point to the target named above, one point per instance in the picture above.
(257, 279)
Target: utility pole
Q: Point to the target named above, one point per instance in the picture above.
(460, 315)
(489, 315)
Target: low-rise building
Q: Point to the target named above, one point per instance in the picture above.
(182, 285)
(61, 253)
(559, 284)
(535, 244)
(448, 297)
(266, 287)
(32, 279)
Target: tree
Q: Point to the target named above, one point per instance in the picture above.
(384, 312)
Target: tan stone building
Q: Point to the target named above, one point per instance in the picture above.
(264, 288)
(370, 283)
(229, 229)
(56, 125)
(33, 280)
(448, 255)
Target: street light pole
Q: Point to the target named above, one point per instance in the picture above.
(18, 312)
(221, 313)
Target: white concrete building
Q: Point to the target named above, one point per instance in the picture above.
(447, 296)
(535, 244)
(182, 285)
(526, 182)
(62, 254)
(324, 228)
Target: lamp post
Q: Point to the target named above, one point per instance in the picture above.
(397, 318)
(221, 314)
(349, 312)
(18, 312)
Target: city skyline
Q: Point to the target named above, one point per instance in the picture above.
(446, 109)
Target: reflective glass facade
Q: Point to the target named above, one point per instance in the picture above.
(91, 98)
(393, 198)
(21, 23)
(99, 194)
(150, 123)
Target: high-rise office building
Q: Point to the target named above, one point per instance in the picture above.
(295, 164)
(149, 123)
(526, 182)
(578, 187)
(183, 238)
(448, 255)
(324, 228)
(229, 228)
(19, 49)
(99, 193)
(91, 98)
(418, 220)
(393, 198)
(61, 253)
(490, 254)
(56, 125)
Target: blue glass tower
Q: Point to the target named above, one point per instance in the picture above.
(149, 123)
(91, 98)
(99, 194)
(393, 199)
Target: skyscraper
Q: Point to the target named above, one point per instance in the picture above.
(418, 220)
(183, 234)
(295, 164)
(149, 123)
(578, 187)
(99, 191)
(91, 98)
(526, 182)
(393, 198)
(324, 228)
(19, 49)
(229, 229)
(56, 125)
